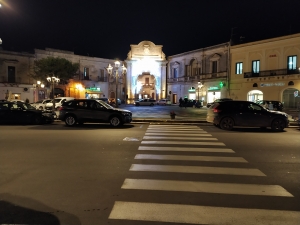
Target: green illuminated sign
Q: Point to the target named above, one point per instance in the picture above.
(213, 88)
(221, 84)
(92, 89)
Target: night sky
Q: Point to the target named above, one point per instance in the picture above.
(105, 29)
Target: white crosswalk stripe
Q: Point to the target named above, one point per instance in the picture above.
(181, 142)
(181, 138)
(185, 143)
(185, 149)
(207, 187)
(191, 158)
(196, 169)
(191, 214)
(176, 134)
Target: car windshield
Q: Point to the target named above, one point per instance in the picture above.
(57, 100)
(26, 106)
(105, 104)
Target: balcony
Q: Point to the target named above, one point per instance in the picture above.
(267, 73)
(207, 76)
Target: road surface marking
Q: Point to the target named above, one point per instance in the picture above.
(185, 149)
(197, 169)
(175, 131)
(191, 214)
(178, 133)
(191, 158)
(181, 143)
(181, 138)
(206, 187)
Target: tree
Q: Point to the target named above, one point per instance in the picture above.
(54, 66)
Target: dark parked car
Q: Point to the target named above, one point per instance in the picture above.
(218, 100)
(23, 113)
(276, 105)
(244, 113)
(90, 110)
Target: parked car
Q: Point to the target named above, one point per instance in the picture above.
(23, 113)
(58, 102)
(276, 105)
(163, 101)
(103, 99)
(40, 105)
(218, 100)
(228, 114)
(112, 101)
(191, 103)
(146, 101)
(79, 111)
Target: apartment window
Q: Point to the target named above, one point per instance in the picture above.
(255, 66)
(239, 68)
(11, 74)
(214, 68)
(101, 76)
(175, 72)
(292, 62)
(86, 75)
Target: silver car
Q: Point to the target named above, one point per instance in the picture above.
(146, 101)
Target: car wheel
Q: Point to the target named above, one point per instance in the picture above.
(278, 125)
(227, 123)
(115, 121)
(70, 120)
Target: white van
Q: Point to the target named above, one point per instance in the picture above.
(58, 102)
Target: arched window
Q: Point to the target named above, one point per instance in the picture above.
(291, 83)
(254, 85)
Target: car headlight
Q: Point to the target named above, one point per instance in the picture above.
(126, 113)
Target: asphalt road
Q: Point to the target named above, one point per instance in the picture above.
(144, 173)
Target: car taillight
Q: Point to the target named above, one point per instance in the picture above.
(61, 108)
(216, 110)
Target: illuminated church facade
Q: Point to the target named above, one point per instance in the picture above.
(146, 71)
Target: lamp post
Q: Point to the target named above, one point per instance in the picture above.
(114, 71)
(36, 87)
(54, 80)
(200, 85)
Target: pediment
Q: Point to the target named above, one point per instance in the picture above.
(215, 57)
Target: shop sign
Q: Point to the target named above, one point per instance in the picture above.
(272, 84)
(213, 88)
(92, 89)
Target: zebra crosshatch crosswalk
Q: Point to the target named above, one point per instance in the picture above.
(171, 149)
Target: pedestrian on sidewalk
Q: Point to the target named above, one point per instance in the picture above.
(185, 101)
(180, 102)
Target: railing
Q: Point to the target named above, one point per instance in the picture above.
(266, 73)
(198, 77)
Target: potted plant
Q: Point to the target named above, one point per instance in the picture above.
(172, 114)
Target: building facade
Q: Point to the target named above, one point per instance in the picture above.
(266, 70)
(146, 72)
(90, 81)
(201, 74)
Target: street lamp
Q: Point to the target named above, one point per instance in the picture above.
(116, 75)
(200, 85)
(36, 87)
(54, 80)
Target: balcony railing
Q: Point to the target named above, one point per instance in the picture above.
(267, 73)
(198, 77)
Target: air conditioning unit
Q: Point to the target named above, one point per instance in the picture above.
(25, 89)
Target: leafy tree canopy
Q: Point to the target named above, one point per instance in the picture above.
(54, 66)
